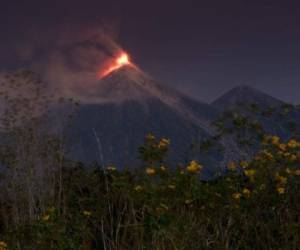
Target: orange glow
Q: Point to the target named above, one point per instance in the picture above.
(120, 61)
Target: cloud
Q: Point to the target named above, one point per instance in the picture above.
(69, 59)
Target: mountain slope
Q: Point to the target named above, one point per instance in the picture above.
(130, 83)
(126, 106)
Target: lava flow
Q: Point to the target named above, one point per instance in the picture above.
(120, 61)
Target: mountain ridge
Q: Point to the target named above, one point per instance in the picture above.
(245, 94)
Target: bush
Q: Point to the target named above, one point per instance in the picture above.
(254, 206)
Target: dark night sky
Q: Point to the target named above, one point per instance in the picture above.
(200, 47)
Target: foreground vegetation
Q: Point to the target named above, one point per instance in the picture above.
(48, 202)
(254, 206)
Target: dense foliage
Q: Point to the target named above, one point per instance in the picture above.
(48, 202)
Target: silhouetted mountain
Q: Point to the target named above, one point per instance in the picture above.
(245, 95)
(275, 116)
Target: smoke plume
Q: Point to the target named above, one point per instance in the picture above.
(69, 59)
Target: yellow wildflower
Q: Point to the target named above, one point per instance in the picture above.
(236, 196)
(231, 166)
(163, 143)
(150, 137)
(163, 168)
(281, 190)
(87, 213)
(292, 143)
(250, 172)
(244, 164)
(111, 168)
(275, 140)
(194, 167)
(138, 188)
(150, 171)
(246, 192)
(46, 217)
(282, 146)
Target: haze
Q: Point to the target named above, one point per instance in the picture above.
(203, 49)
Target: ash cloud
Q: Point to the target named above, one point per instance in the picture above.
(69, 59)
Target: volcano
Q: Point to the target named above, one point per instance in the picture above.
(125, 106)
(245, 95)
(275, 116)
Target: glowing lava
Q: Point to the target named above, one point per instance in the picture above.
(123, 59)
(120, 61)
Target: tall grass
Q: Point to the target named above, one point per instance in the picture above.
(254, 206)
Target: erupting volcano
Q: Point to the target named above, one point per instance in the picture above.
(118, 62)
